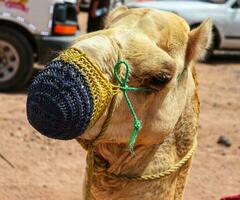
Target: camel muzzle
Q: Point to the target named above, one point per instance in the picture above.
(72, 93)
(68, 96)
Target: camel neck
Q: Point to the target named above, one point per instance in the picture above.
(121, 162)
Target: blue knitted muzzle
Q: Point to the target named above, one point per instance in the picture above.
(59, 103)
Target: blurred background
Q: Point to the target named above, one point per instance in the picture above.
(33, 32)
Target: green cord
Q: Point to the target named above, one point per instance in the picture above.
(125, 88)
(181, 74)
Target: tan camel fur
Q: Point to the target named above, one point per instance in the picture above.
(158, 46)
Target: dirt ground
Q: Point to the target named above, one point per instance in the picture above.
(45, 169)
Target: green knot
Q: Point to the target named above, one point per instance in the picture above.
(125, 88)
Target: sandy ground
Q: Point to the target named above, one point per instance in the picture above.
(45, 169)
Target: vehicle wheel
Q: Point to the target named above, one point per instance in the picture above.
(16, 59)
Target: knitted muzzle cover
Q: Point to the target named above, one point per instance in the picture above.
(68, 96)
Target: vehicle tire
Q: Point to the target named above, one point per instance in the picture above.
(16, 59)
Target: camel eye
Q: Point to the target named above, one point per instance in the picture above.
(160, 79)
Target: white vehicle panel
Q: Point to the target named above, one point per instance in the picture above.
(225, 18)
(232, 37)
(36, 16)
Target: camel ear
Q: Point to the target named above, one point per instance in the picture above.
(114, 14)
(199, 40)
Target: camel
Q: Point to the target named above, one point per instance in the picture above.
(161, 51)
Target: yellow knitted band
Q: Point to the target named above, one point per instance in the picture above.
(101, 89)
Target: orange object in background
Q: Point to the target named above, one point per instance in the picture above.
(60, 29)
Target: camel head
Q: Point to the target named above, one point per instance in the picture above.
(160, 49)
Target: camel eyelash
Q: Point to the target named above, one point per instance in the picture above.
(159, 79)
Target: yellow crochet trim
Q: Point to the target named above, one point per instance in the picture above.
(101, 89)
